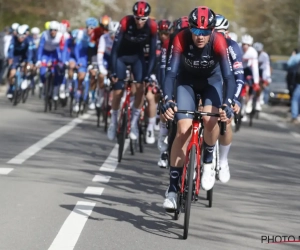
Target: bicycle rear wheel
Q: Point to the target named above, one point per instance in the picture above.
(122, 134)
(141, 137)
(189, 194)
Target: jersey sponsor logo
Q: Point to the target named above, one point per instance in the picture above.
(237, 65)
(232, 53)
(171, 51)
(238, 72)
(229, 61)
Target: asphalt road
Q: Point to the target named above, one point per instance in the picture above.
(62, 189)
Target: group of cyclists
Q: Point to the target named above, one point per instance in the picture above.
(195, 54)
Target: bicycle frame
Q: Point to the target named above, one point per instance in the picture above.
(195, 140)
(126, 102)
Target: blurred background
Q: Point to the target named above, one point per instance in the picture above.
(276, 23)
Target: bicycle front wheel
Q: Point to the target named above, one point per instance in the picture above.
(122, 134)
(189, 192)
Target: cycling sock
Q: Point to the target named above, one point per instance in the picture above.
(208, 153)
(135, 116)
(163, 128)
(223, 154)
(100, 97)
(114, 116)
(175, 174)
(151, 123)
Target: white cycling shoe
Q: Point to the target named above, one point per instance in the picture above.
(170, 203)
(208, 177)
(224, 174)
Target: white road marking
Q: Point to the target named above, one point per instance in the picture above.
(281, 125)
(111, 162)
(295, 134)
(101, 178)
(70, 231)
(32, 150)
(5, 171)
(94, 190)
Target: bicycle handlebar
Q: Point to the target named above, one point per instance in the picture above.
(200, 114)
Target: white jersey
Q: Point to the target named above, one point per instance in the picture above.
(250, 59)
(264, 65)
(50, 44)
(7, 40)
(104, 47)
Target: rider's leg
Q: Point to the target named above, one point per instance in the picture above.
(150, 139)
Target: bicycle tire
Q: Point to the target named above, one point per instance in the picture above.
(122, 134)
(189, 196)
(16, 90)
(132, 146)
(47, 87)
(98, 113)
(106, 110)
(25, 94)
(141, 137)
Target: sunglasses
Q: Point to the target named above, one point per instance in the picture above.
(201, 32)
(164, 32)
(52, 30)
(143, 19)
(91, 27)
(21, 36)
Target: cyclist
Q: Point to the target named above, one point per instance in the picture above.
(85, 51)
(251, 72)
(50, 51)
(264, 72)
(103, 57)
(20, 50)
(235, 56)
(128, 50)
(200, 63)
(179, 25)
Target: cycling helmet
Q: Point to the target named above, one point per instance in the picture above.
(202, 17)
(164, 25)
(66, 23)
(27, 27)
(35, 31)
(15, 26)
(47, 25)
(22, 29)
(221, 23)
(91, 22)
(258, 46)
(182, 22)
(54, 25)
(247, 39)
(141, 9)
(233, 36)
(74, 33)
(113, 26)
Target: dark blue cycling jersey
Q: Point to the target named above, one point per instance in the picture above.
(130, 41)
(23, 49)
(236, 59)
(210, 62)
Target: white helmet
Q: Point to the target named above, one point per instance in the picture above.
(221, 23)
(14, 26)
(62, 28)
(247, 39)
(233, 36)
(35, 31)
(22, 29)
(113, 26)
(27, 27)
(54, 25)
(258, 46)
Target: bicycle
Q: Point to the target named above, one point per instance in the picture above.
(18, 92)
(49, 86)
(104, 107)
(72, 90)
(124, 123)
(189, 185)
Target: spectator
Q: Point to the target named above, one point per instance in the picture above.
(293, 66)
(290, 77)
(2, 54)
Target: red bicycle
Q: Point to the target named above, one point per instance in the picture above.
(189, 186)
